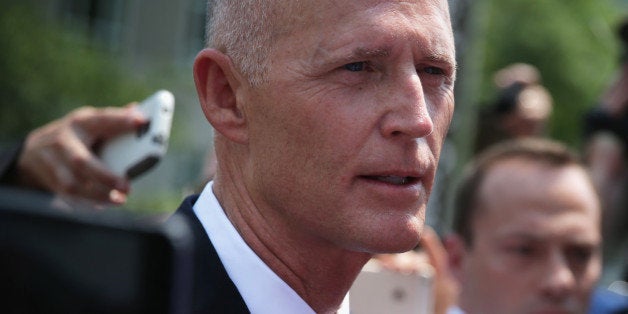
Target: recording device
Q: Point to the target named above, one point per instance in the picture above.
(379, 290)
(53, 261)
(132, 154)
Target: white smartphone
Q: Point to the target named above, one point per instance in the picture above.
(135, 153)
(378, 290)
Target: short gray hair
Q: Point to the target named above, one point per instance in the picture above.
(245, 30)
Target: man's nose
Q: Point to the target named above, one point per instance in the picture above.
(408, 113)
(558, 281)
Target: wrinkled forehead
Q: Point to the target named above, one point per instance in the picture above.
(440, 6)
(308, 13)
(333, 23)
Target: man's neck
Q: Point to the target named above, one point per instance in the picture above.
(319, 271)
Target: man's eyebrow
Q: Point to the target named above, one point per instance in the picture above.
(380, 52)
(543, 237)
(520, 235)
(326, 56)
(365, 53)
(447, 60)
(440, 57)
(372, 52)
(361, 53)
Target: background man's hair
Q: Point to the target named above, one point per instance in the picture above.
(539, 151)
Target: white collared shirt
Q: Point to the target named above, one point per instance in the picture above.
(262, 290)
(454, 309)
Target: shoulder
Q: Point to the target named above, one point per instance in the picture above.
(9, 153)
(214, 291)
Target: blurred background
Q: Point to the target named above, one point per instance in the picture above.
(57, 55)
(574, 47)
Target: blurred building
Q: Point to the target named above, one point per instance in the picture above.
(151, 38)
(141, 31)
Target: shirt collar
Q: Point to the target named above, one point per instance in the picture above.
(262, 290)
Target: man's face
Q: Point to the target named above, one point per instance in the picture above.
(535, 244)
(345, 136)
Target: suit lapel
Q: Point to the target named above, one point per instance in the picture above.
(214, 292)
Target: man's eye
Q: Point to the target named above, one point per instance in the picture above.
(522, 250)
(355, 66)
(580, 255)
(434, 70)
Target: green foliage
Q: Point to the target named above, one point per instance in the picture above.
(163, 203)
(571, 42)
(48, 70)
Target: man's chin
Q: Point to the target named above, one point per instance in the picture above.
(391, 245)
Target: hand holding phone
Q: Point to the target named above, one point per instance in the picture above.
(132, 154)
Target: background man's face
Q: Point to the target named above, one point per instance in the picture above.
(346, 135)
(536, 241)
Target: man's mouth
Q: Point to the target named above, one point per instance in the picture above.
(394, 180)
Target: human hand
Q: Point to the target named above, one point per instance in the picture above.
(60, 156)
(615, 99)
(446, 287)
(432, 256)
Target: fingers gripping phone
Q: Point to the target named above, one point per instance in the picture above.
(135, 153)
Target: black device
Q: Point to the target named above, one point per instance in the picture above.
(59, 262)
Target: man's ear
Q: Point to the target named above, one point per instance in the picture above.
(456, 251)
(216, 85)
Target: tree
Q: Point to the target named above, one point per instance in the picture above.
(571, 42)
(48, 70)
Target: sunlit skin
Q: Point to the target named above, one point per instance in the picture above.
(365, 98)
(536, 242)
(333, 158)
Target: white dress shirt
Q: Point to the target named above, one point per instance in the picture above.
(455, 310)
(262, 290)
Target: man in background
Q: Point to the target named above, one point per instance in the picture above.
(527, 233)
(522, 107)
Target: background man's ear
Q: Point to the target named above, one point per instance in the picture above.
(216, 85)
(456, 251)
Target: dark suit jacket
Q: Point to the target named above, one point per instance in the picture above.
(9, 153)
(213, 290)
